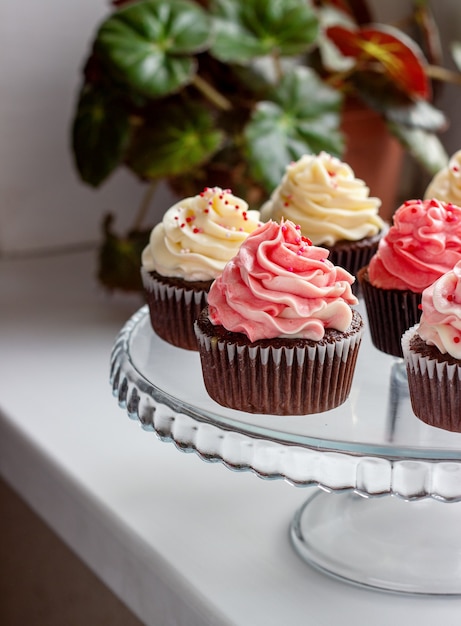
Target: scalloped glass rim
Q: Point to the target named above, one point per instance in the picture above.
(364, 445)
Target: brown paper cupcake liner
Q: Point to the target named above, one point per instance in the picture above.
(292, 379)
(353, 255)
(434, 387)
(173, 309)
(390, 313)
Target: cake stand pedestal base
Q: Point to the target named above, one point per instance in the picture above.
(385, 543)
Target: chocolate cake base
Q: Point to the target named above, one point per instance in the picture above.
(278, 376)
(390, 313)
(353, 255)
(434, 382)
(174, 305)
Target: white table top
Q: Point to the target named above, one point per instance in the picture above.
(180, 541)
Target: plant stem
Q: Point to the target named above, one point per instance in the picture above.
(277, 66)
(145, 204)
(210, 92)
(442, 73)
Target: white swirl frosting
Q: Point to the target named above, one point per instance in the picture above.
(446, 184)
(199, 235)
(322, 195)
(440, 323)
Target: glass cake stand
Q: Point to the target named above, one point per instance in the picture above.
(360, 454)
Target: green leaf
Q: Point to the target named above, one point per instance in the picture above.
(425, 147)
(419, 114)
(394, 105)
(177, 139)
(100, 134)
(302, 118)
(252, 28)
(149, 44)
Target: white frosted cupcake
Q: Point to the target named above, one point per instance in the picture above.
(186, 252)
(332, 207)
(446, 184)
(432, 352)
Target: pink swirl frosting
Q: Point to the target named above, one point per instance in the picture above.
(440, 323)
(423, 243)
(280, 285)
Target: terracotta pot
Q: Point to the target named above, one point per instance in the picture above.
(374, 154)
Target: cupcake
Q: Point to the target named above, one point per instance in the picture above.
(279, 335)
(185, 253)
(446, 184)
(423, 243)
(332, 206)
(432, 352)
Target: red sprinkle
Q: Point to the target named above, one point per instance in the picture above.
(450, 297)
(306, 240)
(456, 339)
(420, 307)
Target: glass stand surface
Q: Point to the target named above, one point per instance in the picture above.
(387, 525)
(384, 543)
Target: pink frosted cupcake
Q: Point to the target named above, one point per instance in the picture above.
(279, 335)
(186, 252)
(423, 243)
(432, 352)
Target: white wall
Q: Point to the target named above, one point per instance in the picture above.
(42, 46)
(42, 203)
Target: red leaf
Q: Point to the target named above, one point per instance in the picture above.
(401, 59)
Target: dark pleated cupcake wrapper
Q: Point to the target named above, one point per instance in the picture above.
(353, 255)
(278, 381)
(173, 311)
(434, 387)
(353, 258)
(390, 313)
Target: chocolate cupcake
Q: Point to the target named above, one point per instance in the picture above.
(174, 305)
(390, 312)
(332, 206)
(279, 335)
(186, 252)
(423, 243)
(432, 352)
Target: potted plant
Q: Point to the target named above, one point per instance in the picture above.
(227, 92)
